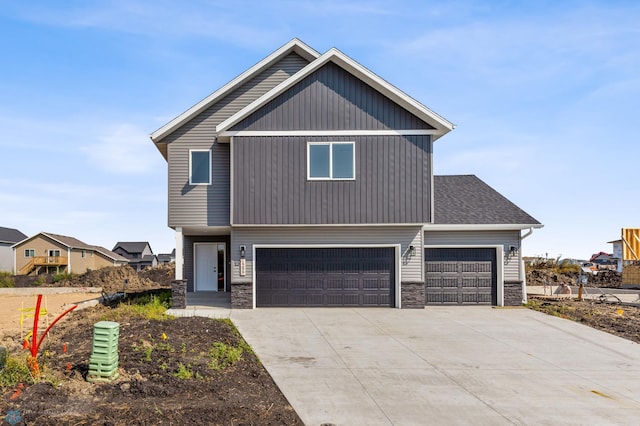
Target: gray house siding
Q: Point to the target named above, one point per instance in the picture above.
(411, 266)
(331, 99)
(391, 186)
(209, 205)
(6, 257)
(510, 264)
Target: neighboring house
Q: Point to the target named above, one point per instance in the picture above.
(308, 181)
(52, 253)
(617, 254)
(167, 257)
(138, 253)
(8, 237)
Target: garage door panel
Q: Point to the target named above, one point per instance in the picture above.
(325, 276)
(460, 276)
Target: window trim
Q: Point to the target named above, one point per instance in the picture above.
(330, 144)
(29, 253)
(208, 151)
(54, 251)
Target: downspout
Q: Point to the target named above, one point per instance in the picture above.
(68, 260)
(523, 275)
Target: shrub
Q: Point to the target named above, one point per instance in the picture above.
(6, 279)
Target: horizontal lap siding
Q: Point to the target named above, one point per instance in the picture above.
(331, 99)
(391, 184)
(411, 266)
(478, 238)
(209, 206)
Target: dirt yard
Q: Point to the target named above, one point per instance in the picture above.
(172, 372)
(621, 320)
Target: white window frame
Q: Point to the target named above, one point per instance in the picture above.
(52, 253)
(29, 253)
(208, 151)
(330, 144)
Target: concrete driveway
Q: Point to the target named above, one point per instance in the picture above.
(457, 365)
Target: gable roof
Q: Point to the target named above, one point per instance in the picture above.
(467, 200)
(132, 246)
(74, 243)
(441, 125)
(294, 45)
(11, 235)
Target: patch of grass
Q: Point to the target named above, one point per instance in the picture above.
(150, 307)
(184, 372)
(222, 355)
(147, 354)
(6, 280)
(15, 371)
(62, 276)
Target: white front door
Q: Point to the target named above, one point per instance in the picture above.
(209, 268)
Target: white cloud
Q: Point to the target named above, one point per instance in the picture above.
(124, 148)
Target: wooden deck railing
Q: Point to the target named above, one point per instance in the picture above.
(38, 261)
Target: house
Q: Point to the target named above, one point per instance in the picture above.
(52, 253)
(167, 257)
(617, 253)
(138, 253)
(308, 181)
(8, 237)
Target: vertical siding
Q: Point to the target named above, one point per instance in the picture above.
(510, 264)
(209, 206)
(411, 266)
(331, 99)
(392, 183)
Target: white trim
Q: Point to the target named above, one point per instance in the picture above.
(400, 132)
(69, 260)
(208, 151)
(362, 73)
(397, 254)
(295, 45)
(330, 144)
(480, 227)
(499, 263)
(231, 181)
(324, 225)
(179, 260)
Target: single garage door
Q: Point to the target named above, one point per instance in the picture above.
(464, 276)
(325, 276)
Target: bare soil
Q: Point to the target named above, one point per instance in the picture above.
(620, 319)
(604, 278)
(165, 366)
(150, 389)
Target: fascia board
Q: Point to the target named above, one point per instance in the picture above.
(481, 227)
(294, 45)
(345, 62)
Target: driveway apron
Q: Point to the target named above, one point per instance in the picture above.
(444, 365)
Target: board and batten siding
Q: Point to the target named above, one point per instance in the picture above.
(411, 266)
(331, 99)
(392, 182)
(209, 205)
(510, 265)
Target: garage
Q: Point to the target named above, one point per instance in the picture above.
(334, 277)
(460, 276)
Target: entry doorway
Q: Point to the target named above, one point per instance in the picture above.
(210, 266)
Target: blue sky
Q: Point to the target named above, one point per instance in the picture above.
(545, 96)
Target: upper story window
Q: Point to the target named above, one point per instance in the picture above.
(29, 252)
(331, 161)
(199, 167)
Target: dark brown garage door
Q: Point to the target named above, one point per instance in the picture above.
(325, 276)
(464, 276)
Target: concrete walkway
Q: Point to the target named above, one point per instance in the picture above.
(445, 365)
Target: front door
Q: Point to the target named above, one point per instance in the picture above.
(210, 259)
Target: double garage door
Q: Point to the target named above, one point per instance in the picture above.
(342, 276)
(460, 276)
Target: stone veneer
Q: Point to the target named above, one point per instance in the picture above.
(179, 294)
(412, 295)
(512, 293)
(241, 296)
